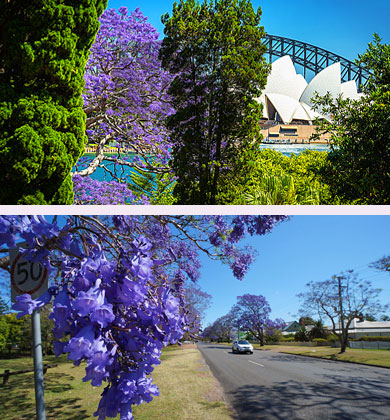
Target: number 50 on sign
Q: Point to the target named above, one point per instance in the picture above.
(26, 276)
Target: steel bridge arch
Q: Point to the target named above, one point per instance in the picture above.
(314, 58)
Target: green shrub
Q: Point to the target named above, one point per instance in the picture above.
(270, 178)
(319, 340)
(274, 338)
(332, 337)
(371, 338)
(301, 335)
(288, 339)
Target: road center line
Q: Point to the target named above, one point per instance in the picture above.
(250, 361)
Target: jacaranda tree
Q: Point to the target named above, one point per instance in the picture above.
(215, 53)
(44, 47)
(126, 103)
(117, 288)
(252, 314)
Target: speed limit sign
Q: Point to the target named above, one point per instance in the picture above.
(26, 276)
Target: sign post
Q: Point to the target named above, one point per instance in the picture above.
(31, 277)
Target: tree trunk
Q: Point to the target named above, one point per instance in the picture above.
(343, 343)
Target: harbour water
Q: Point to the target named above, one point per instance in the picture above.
(287, 149)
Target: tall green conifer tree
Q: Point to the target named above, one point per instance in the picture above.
(44, 47)
(215, 49)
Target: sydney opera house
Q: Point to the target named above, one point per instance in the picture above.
(287, 108)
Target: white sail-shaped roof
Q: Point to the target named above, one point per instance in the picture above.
(312, 113)
(287, 107)
(328, 80)
(349, 90)
(284, 80)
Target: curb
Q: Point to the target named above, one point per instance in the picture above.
(332, 360)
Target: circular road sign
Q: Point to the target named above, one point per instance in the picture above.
(27, 277)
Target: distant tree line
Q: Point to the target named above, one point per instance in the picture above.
(16, 334)
(250, 315)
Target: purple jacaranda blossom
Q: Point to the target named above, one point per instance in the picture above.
(103, 315)
(61, 313)
(86, 302)
(58, 347)
(26, 306)
(137, 388)
(126, 101)
(80, 346)
(8, 230)
(109, 404)
(98, 363)
(94, 192)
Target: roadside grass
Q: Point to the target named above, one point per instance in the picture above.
(366, 356)
(187, 390)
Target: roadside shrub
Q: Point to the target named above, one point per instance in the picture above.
(274, 338)
(332, 337)
(288, 339)
(319, 340)
(370, 338)
(301, 335)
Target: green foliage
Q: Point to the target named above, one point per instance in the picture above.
(274, 338)
(301, 335)
(270, 178)
(16, 334)
(11, 332)
(274, 190)
(215, 50)
(43, 51)
(157, 187)
(332, 337)
(319, 340)
(4, 333)
(288, 338)
(318, 331)
(371, 338)
(358, 165)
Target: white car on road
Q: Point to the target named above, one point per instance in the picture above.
(242, 346)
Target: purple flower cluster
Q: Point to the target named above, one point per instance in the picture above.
(126, 101)
(91, 191)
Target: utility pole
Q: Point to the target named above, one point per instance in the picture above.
(341, 313)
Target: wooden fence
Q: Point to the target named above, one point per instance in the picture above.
(7, 373)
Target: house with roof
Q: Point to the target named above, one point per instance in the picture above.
(359, 327)
(291, 328)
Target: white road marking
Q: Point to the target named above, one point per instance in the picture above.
(250, 361)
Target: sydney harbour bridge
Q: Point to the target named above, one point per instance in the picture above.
(314, 58)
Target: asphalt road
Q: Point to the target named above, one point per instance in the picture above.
(273, 386)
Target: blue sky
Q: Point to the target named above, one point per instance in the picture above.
(344, 27)
(304, 248)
